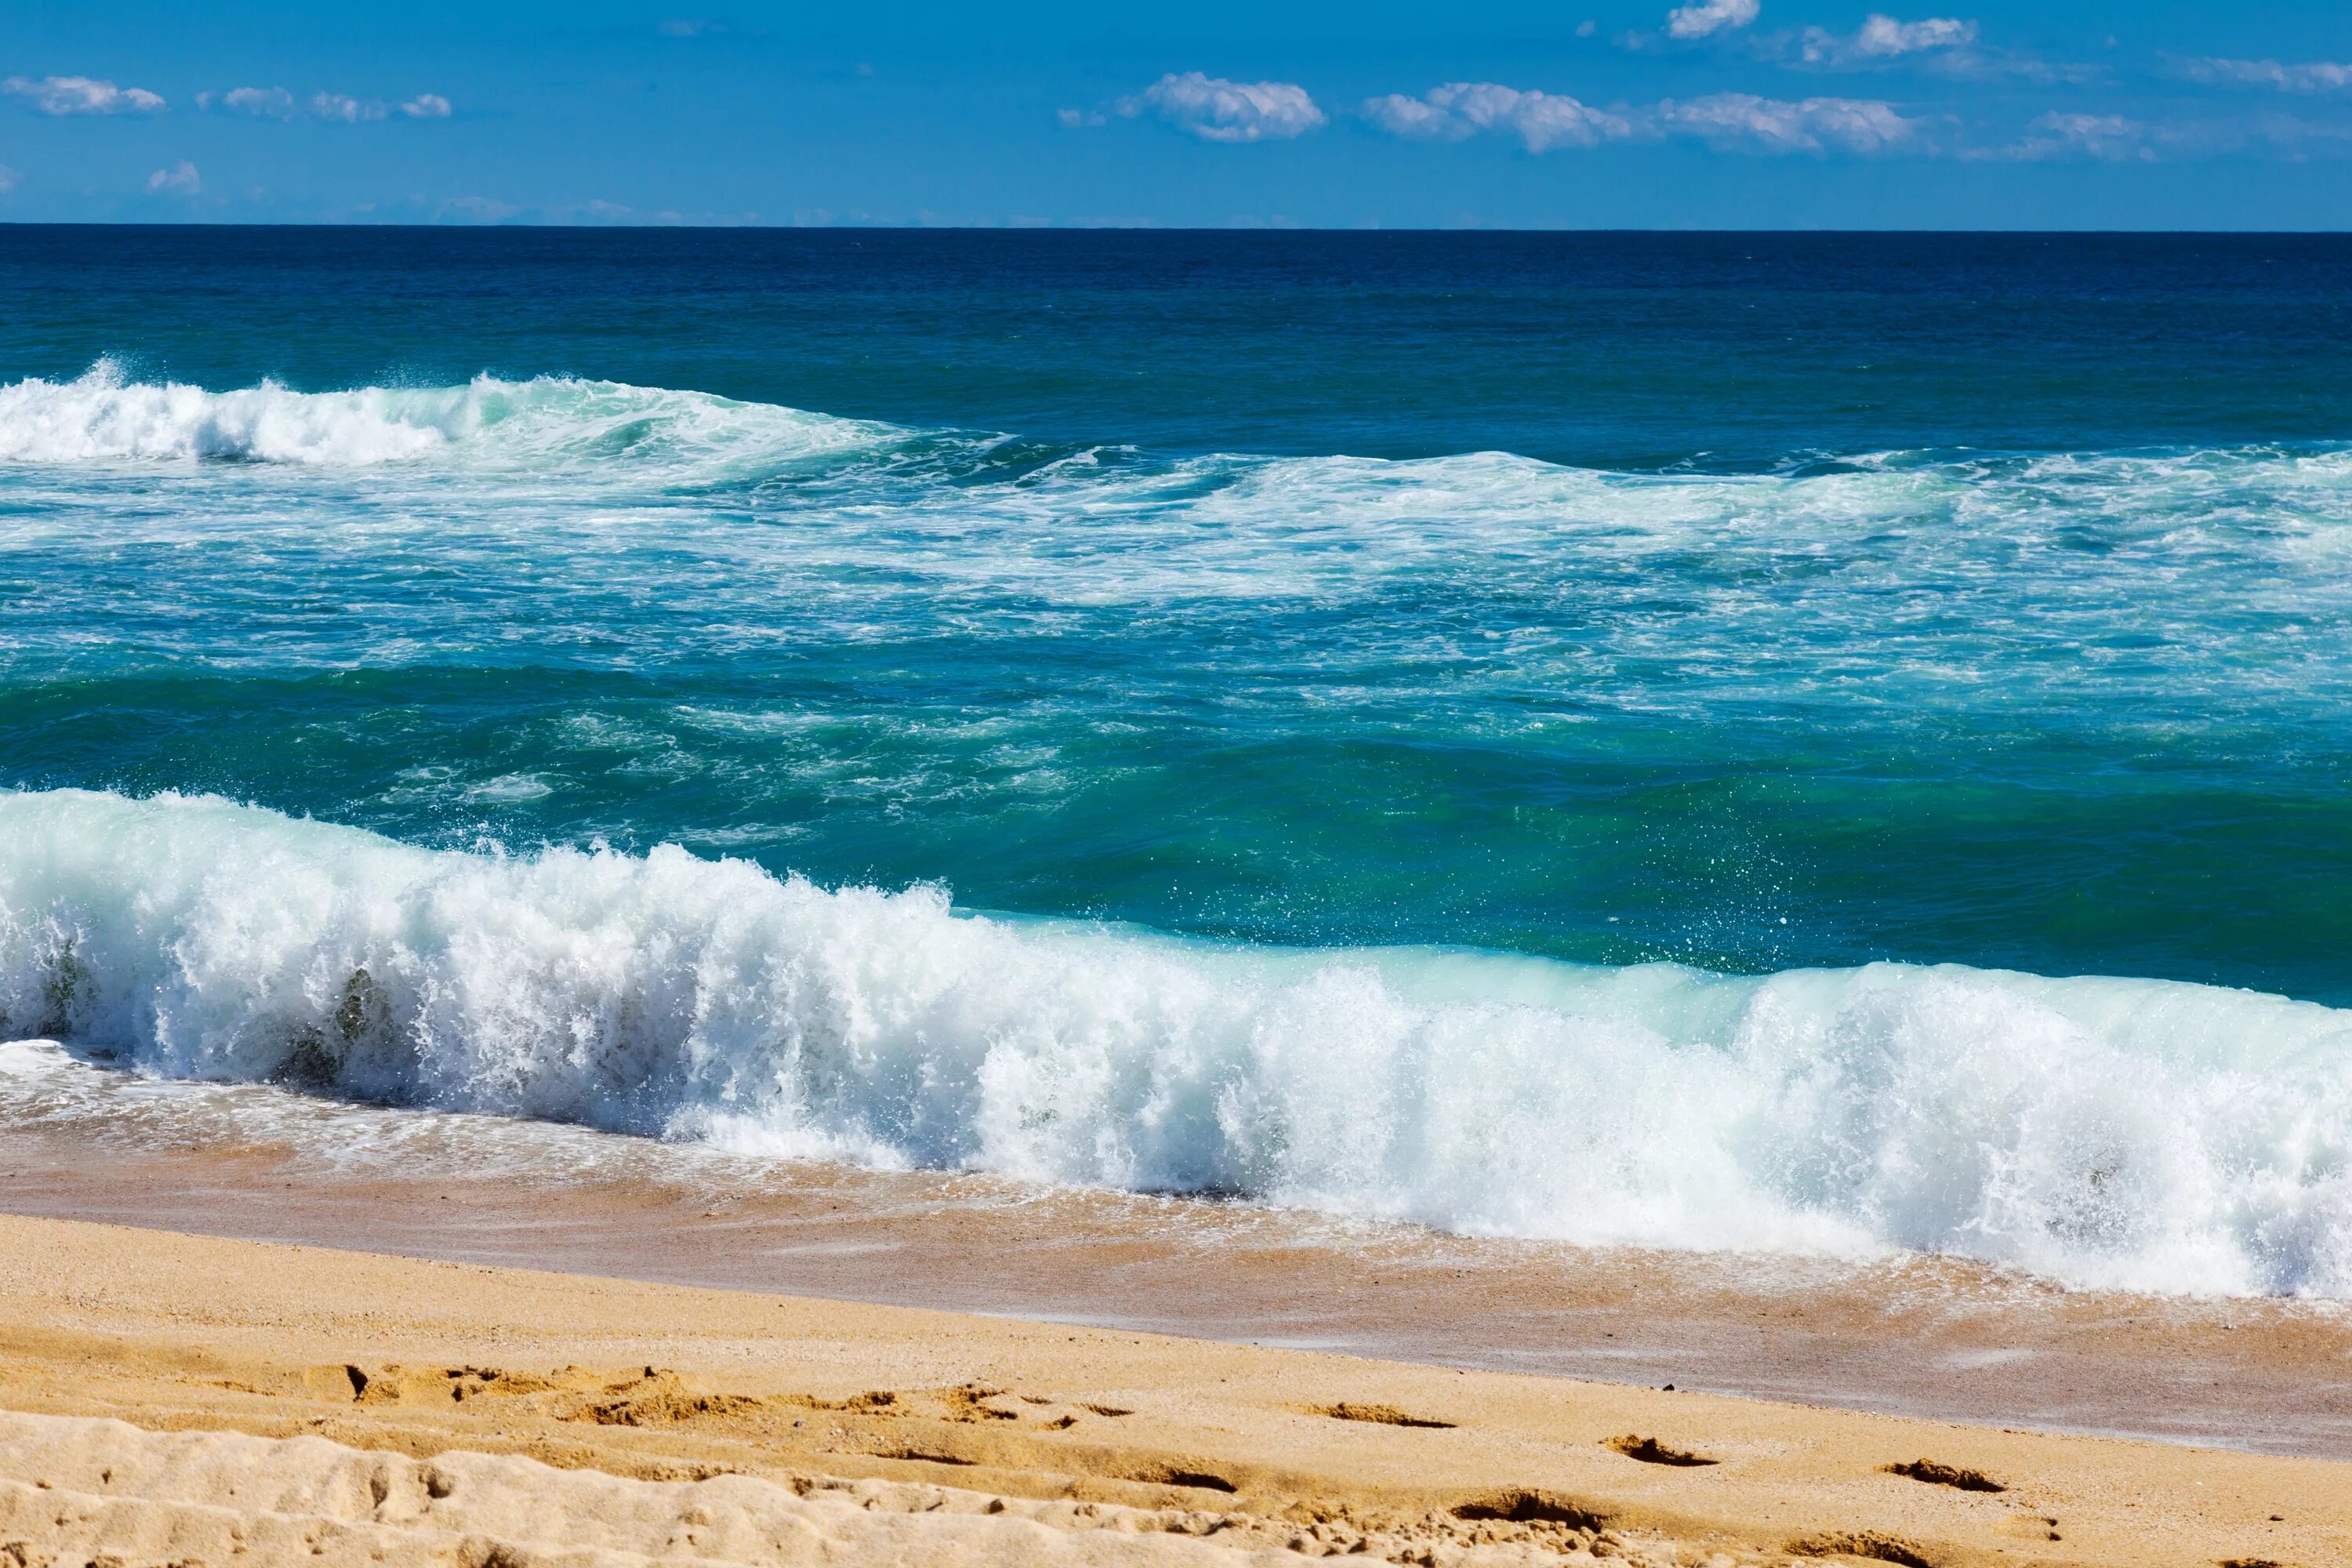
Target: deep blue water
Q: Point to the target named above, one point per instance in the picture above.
(1612, 350)
(1966, 597)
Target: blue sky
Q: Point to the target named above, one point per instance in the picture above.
(1713, 113)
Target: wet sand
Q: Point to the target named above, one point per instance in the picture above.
(1939, 1339)
(175, 1399)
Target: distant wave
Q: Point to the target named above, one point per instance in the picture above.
(2108, 1131)
(103, 416)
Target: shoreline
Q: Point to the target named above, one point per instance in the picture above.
(1934, 1338)
(1113, 1439)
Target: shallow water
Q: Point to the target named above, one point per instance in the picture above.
(1899, 1334)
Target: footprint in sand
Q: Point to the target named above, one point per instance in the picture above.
(1650, 1451)
(1868, 1544)
(1935, 1473)
(1381, 1414)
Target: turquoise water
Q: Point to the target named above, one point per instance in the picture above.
(1392, 608)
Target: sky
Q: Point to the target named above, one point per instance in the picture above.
(1571, 114)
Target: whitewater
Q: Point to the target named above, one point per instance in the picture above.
(2106, 1131)
(1470, 841)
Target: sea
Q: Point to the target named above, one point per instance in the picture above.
(1770, 746)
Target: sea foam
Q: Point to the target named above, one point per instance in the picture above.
(103, 416)
(2104, 1131)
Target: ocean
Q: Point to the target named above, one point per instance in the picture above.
(1823, 745)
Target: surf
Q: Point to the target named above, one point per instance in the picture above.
(105, 416)
(2104, 1131)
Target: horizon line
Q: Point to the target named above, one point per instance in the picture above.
(1088, 228)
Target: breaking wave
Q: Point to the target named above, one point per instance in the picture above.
(2104, 1131)
(101, 415)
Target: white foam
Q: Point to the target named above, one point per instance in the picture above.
(2110, 1132)
(102, 416)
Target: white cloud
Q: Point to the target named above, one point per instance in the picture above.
(1882, 38)
(276, 103)
(1078, 119)
(81, 95)
(1420, 117)
(1703, 18)
(180, 180)
(8, 178)
(1542, 120)
(1216, 110)
(263, 102)
(1743, 121)
(2318, 76)
(2113, 139)
(1733, 121)
(348, 109)
(2109, 138)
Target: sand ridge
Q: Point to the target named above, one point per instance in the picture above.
(107, 1489)
(1100, 1438)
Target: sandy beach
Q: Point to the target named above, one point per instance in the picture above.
(178, 1399)
(1943, 1338)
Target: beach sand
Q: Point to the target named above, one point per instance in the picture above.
(1942, 1338)
(176, 1399)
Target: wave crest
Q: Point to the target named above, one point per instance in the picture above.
(103, 416)
(2112, 1131)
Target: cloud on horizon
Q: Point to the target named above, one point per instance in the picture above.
(81, 95)
(2111, 138)
(180, 179)
(2060, 136)
(344, 108)
(1217, 110)
(276, 103)
(2316, 76)
(1730, 122)
(1541, 120)
(1743, 122)
(267, 102)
